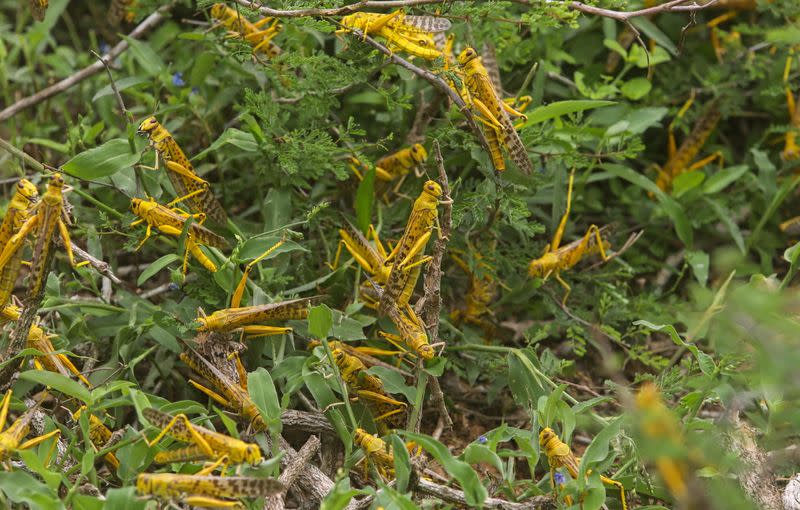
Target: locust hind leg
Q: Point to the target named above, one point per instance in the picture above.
(251, 332)
(40, 439)
(211, 393)
(198, 439)
(563, 223)
(209, 502)
(618, 485)
(4, 408)
(567, 288)
(185, 172)
(238, 293)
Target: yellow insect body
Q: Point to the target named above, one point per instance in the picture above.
(559, 258)
(369, 389)
(481, 292)
(206, 491)
(370, 258)
(39, 9)
(412, 332)
(99, 435)
(560, 455)
(207, 444)
(260, 39)
(39, 340)
(791, 149)
(226, 391)
(377, 451)
(246, 318)
(492, 111)
(11, 439)
(17, 213)
(407, 257)
(188, 185)
(680, 160)
(171, 221)
(412, 34)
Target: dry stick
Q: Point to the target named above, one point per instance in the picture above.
(120, 102)
(292, 471)
(672, 6)
(457, 497)
(430, 304)
(69, 82)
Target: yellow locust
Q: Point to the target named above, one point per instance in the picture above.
(207, 444)
(254, 33)
(11, 438)
(246, 319)
(559, 258)
(99, 435)
(493, 112)
(121, 10)
(377, 452)
(481, 292)
(489, 61)
(680, 159)
(171, 221)
(560, 455)
(394, 166)
(791, 149)
(223, 389)
(188, 185)
(412, 332)
(39, 340)
(407, 256)
(370, 258)
(369, 389)
(206, 491)
(412, 34)
(17, 213)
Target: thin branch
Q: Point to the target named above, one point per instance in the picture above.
(292, 471)
(120, 102)
(87, 72)
(672, 6)
(100, 266)
(456, 496)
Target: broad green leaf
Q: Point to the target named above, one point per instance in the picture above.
(340, 495)
(559, 108)
(474, 491)
(679, 219)
(262, 391)
(232, 136)
(402, 462)
(124, 499)
(157, 266)
(598, 449)
(686, 182)
(147, 58)
(720, 180)
(256, 246)
(111, 157)
(365, 198)
(699, 261)
(476, 453)
(652, 31)
(393, 381)
(20, 487)
(60, 383)
(122, 84)
(636, 88)
(704, 361)
(320, 321)
(390, 499)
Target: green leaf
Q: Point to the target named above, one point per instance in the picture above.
(559, 108)
(340, 495)
(124, 499)
(474, 491)
(123, 84)
(686, 182)
(679, 219)
(390, 499)
(598, 449)
(402, 462)
(20, 487)
(704, 361)
(476, 453)
(232, 136)
(111, 157)
(157, 266)
(262, 391)
(699, 261)
(60, 383)
(147, 58)
(320, 321)
(636, 88)
(365, 198)
(652, 31)
(393, 382)
(720, 180)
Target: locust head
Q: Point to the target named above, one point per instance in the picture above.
(468, 55)
(218, 11)
(545, 436)
(252, 454)
(418, 153)
(27, 191)
(433, 189)
(426, 352)
(147, 126)
(543, 266)
(357, 20)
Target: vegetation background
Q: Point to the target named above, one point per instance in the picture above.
(703, 304)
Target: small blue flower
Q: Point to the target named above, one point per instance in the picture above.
(559, 478)
(177, 79)
(482, 439)
(104, 48)
(195, 90)
(173, 287)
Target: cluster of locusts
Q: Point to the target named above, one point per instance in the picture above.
(392, 274)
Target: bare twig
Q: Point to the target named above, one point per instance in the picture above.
(120, 102)
(292, 471)
(755, 475)
(102, 267)
(69, 82)
(457, 496)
